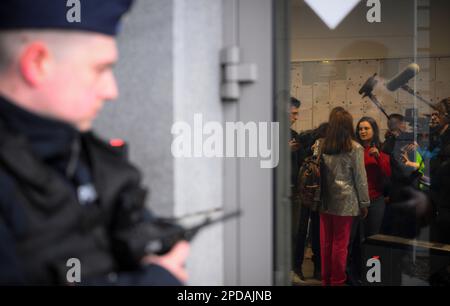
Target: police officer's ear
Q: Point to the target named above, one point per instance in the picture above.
(35, 63)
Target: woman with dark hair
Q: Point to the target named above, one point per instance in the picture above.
(345, 193)
(378, 171)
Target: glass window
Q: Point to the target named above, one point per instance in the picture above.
(387, 64)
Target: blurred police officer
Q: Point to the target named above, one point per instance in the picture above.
(64, 193)
(440, 171)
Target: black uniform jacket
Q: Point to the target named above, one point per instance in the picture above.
(44, 218)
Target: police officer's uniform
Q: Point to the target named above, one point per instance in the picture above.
(66, 194)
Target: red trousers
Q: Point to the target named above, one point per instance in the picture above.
(334, 239)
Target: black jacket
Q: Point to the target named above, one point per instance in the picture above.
(43, 220)
(306, 140)
(440, 187)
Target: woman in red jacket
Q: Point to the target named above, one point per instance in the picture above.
(378, 170)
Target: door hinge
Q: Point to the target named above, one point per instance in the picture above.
(235, 74)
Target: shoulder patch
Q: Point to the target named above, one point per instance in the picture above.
(116, 142)
(115, 146)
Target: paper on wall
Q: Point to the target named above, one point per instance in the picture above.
(405, 98)
(321, 94)
(443, 69)
(353, 96)
(354, 71)
(442, 90)
(320, 115)
(338, 93)
(386, 97)
(427, 69)
(374, 113)
(357, 112)
(369, 68)
(296, 80)
(392, 108)
(359, 71)
(305, 125)
(305, 114)
(427, 90)
(305, 94)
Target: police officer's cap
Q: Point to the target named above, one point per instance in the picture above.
(101, 16)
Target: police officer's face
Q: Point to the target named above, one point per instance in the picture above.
(81, 80)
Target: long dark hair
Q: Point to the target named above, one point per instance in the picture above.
(339, 133)
(376, 132)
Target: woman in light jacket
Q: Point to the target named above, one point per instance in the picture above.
(345, 194)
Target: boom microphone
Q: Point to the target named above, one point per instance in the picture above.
(403, 77)
(366, 91)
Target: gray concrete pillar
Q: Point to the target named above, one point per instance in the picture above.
(169, 70)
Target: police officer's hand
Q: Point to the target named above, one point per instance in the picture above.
(174, 261)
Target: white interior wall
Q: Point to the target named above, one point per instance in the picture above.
(320, 86)
(356, 38)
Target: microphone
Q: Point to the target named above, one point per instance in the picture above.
(403, 77)
(366, 91)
